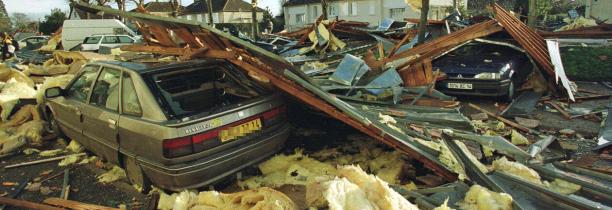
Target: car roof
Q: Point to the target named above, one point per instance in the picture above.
(142, 68)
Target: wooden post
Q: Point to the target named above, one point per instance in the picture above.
(324, 9)
(423, 22)
(255, 29)
(533, 15)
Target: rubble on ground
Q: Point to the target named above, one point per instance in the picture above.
(261, 198)
(114, 174)
(379, 81)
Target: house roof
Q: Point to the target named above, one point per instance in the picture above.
(156, 6)
(199, 6)
(301, 2)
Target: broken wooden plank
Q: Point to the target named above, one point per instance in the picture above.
(75, 205)
(565, 114)
(183, 52)
(453, 39)
(156, 49)
(188, 37)
(513, 124)
(532, 42)
(42, 161)
(397, 46)
(26, 204)
(162, 35)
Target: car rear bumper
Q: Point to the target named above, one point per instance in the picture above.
(479, 87)
(211, 169)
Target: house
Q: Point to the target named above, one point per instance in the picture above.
(598, 9)
(161, 8)
(479, 7)
(301, 12)
(224, 11)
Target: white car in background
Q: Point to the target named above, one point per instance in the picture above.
(94, 42)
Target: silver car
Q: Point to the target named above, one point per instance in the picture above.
(93, 43)
(179, 126)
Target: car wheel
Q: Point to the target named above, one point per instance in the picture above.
(511, 92)
(53, 127)
(135, 175)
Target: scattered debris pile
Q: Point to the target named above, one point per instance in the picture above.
(261, 198)
(301, 169)
(380, 82)
(375, 89)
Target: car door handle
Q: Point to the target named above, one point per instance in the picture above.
(112, 123)
(79, 114)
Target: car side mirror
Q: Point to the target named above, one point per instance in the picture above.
(53, 92)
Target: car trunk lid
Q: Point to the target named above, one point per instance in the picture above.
(212, 106)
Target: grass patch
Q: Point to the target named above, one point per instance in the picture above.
(587, 63)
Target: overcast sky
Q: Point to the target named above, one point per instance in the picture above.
(39, 8)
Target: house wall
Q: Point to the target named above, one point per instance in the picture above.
(600, 9)
(224, 17)
(371, 11)
(163, 14)
(239, 17)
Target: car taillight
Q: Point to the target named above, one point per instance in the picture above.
(178, 147)
(275, 115)
(209, 139)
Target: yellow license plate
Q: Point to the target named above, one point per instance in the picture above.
(240, 130)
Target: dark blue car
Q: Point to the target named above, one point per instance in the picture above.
(483, 69)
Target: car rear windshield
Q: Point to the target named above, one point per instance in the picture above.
(92, 40)
(196, 90)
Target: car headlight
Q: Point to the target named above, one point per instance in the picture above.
(487, 75)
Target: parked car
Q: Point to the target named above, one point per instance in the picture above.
(179, 126)
(483, 69)
(75, 30)
(93, 43)
(33, 41)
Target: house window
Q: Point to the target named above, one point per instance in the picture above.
(315, 12)
(396, 13)
(188, 17)
(199, 17)
(345, 8)
(215, 17)
(333, 10)
(300, 18)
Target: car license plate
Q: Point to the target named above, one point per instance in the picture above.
(240, 130)
(465, 86)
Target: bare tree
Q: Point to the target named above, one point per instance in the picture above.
(20, 21)
(103, 2)
(255, 29)
(324, 9)
(176, 7)
(120, 4)
(139, 3)
(423, 21)
(533, 13)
